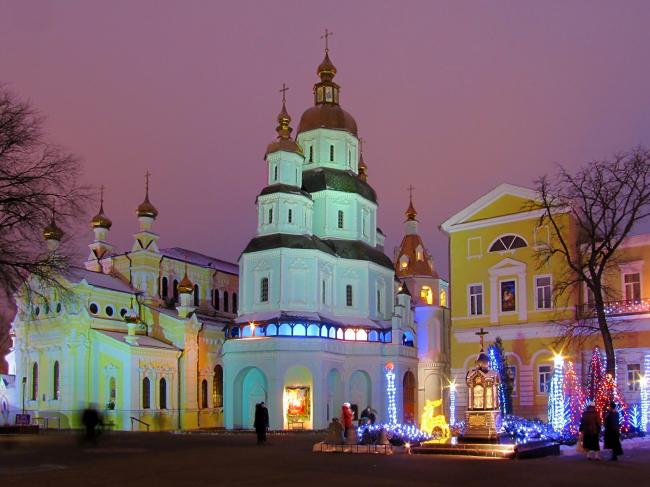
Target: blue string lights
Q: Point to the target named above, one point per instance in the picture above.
(390, 394)
(452, 403)
(557, 409)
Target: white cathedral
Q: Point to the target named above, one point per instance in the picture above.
(321, 316)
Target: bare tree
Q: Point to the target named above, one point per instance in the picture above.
(590, 213)
(37, 178)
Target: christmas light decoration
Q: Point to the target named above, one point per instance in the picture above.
(498, 364)
(390, 394)
(608, 392)
(452, 403)
(596, 373)
(434, 424)
(557, 411)
(574, 397)
(635, 417)
(397, 434)
(645, 394)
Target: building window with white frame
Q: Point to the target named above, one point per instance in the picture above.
(544, 373)
(633, 377)
(476, 299)
(543, 292)
(632, 286)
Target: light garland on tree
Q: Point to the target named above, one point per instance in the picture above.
(574, 397)
(596, 373)
(644, 387)
(557, 411)
(496, 364)
(390, 394)
(452, 403)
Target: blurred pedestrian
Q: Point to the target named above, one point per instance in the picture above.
(261, 423)
(91, 421)
(612, 432)
(590, 429)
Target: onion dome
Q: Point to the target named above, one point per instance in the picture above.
(146, 209)
(482, 361)
(100, 220)
(185, 286)
(52, 231)
(410, 212)
(284, 141)
(327, 113)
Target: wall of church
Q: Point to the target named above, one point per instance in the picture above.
(319, 143)
(359, 216)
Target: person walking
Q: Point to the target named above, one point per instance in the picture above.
(612, 432)
(590, 429)
(261, 422)
(346, 418)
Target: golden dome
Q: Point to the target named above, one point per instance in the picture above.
(100, 220)
(326, 69)
(185, 286)
(284, 141)
(410, 212)
(329, 117)
(52, 231)
(146, 209)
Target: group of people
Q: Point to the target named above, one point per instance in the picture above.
(590, 427)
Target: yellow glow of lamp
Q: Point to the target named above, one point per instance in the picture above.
(558, 359)
(253, 326)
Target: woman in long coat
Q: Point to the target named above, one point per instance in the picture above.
(590, 429)
(261, 422)
(612, 434)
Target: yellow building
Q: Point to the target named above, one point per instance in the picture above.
(498, 283)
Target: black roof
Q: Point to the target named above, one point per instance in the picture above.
(284, 188)
(321, 178)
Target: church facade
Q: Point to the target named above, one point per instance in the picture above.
(315, 314)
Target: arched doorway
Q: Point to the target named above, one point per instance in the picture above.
(297, 398)
(360, 393)
(250, 388)
(408, 397)
(334, 394)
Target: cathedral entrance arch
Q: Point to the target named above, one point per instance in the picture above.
(297, 394)
(250, 388)
(360, 392)
(334, 394)
(408, 397)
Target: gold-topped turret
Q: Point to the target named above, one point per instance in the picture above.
(186, 286)
(363, 167)
(146, 209)
(100, 220)
(52, 231)
(284, 141)
(411, 213)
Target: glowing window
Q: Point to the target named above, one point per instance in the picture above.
(362, 335)
(349, 334)
(443, 298)
(508, 242)
(426, 294)
(339, 334)
(271, 330)
(419, 253)
(403, 262)
(313, 331)
(299, 330)
(285, 329)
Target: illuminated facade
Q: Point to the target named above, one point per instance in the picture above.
(139, 335)
(497, 284)
(320, 311)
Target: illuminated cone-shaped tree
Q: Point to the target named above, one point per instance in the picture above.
(608, 392)
(557, 409)
(498, 363)
(574, 396)
(596, 373)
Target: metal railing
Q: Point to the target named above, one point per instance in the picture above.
(616, 308)
(134, 420)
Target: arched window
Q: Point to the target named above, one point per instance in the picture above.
(56, 392)
(35, 382)
(443, 298)
(163, 393)
(331, 153)
(164, 291)
(348, 295)
(340, 219)
(290, 216)
(112, 392)
(403, 262)
(234, 303)
(217, 387)
(508, 242)
(146, 393)
(426, 294)
(196, 294)
(215, 302)
(264, 290)
(204, 394)
(226, 304)
(419, 253)
(175, 290)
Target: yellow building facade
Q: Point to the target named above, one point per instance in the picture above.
(500, 284)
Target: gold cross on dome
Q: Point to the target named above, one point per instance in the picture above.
(411, 188)
(146, 177)
(325, 36)
(481, 334)
(284, 90)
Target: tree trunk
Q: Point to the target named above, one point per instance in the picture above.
(608, 343)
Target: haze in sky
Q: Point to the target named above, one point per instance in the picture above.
(454, 97)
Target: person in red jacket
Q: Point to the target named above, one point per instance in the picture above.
(346, 417)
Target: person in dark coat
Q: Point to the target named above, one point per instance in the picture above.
(590, 429)
(612, 434)
(91, 420)
(261, 422)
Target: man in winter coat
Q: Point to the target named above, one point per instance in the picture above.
(612, 435)
(590, 429)
(261, 422)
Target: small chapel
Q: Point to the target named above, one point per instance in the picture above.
(314, 314)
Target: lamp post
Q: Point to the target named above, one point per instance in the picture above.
(24, 384)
